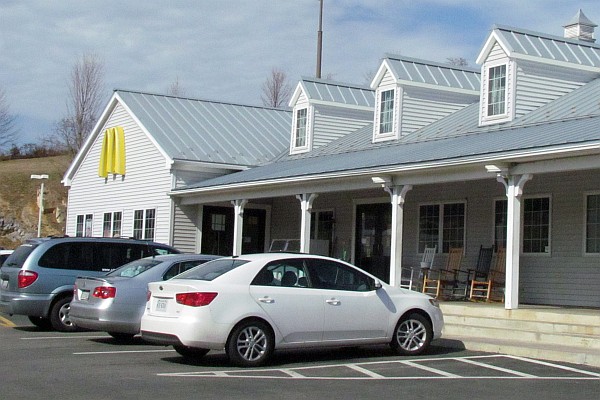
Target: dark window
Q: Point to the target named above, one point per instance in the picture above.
(180, 267)
(327, 274)
(212, 269)
(288, 273)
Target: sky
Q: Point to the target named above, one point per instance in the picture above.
(225, 49)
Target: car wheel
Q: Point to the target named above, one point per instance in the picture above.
(122, 337)
(59, 316)
(190, 352)
(412, 335)
(250, 344)
(41, 322)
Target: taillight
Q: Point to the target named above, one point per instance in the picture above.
(104, 292)
(195, 299)
(26, 278)
(148, 296)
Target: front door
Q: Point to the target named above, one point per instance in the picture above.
(373, 239)
(218, 226)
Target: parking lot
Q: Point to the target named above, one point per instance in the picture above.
(92, 364)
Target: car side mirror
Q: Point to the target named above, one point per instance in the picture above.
(377, 284)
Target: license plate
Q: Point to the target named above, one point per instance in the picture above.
(161, 305)
(84, 295)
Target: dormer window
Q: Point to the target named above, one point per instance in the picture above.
(386, 112)
(385, 126)
(301, 128)
(301, 131)
(496, 91)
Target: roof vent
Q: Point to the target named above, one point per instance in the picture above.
(580, 28)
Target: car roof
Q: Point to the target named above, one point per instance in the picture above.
(278, 256)
(183, 256)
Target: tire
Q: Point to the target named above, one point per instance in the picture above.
(250, 344)
(412, 335)
(122, 337)
(41, 322)
(190, 352)
(59, 316)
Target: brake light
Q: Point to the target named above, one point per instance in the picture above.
(195, 299)
(104, 292)
(26, 278)
(148, 296)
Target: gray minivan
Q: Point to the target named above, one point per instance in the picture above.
(37, 279)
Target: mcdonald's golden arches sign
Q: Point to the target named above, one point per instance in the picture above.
(112, 156)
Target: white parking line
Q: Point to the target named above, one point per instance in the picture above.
(436, 374)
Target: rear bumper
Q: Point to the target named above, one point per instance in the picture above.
(33, 305)
(106, 320)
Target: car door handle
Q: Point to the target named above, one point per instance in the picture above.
(333, 302)
(267, 300)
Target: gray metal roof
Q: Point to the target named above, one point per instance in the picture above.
(337, 92)
(571, 119)
(548, 47)
(427, 72)
(211, 131)
(580, 19)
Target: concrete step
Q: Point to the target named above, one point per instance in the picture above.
(550, 333)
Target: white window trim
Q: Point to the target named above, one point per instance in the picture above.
(522, 227)
(112, 222)
(509, 90)
(440, 241)
(144, 222)
(395, 133)
(309, 124)
(584, 224)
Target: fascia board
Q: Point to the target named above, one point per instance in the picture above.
(489, 44)
(81, 154)
(385, 66)
(296, 95)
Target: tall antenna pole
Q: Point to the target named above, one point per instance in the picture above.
(320, 40)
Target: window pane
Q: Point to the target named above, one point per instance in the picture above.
(150, 223)
(429, 229)
(301, 127)
(138, 223)
(536, 225)
(592, 227)
(79, 227)
(497, 90)
(454, 226)
(116, 229)
(386, 113)
(500, 225)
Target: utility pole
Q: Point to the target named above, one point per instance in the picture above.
(320, 40)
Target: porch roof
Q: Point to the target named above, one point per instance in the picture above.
(569, 124)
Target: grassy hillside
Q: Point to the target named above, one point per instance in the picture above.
(18, 194)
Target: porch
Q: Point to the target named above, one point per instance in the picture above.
(564, 334)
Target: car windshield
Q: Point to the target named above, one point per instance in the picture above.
(134, 268)
(211, 270)
(18, 257)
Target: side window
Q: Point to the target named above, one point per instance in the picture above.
(74, 255)
(161, 251)
(327, 274)
(178, 268)
(287, 273)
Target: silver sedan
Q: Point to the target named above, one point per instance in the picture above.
(115, 303)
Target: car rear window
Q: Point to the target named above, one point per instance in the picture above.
(134, 268)
(211, 270)
(18, 257)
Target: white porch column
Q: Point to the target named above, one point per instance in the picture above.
(306, 203)
(514, 190)
(397, 194)
(238, 225)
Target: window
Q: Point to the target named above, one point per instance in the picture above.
(84, 225)
(322, 227)
(111, 225)
(327, 274)
(500, 223)
(144, 222)
(442, 225)
(536, 225)
(496, 98)
(386, 112)
(287, 273)
(300, 130)
(592, 224)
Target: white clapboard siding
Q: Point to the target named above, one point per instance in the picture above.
(144, 186)
(185, 232)
(418, 112)
(331, 123)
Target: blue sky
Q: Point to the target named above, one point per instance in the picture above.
(224, 50)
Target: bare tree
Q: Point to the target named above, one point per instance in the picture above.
(175, 89)
(7, 122)
(276, 90)
(457, 61)
(86, 89)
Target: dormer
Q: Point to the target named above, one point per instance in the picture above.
(523, 70)
(324, 111)
(412, 93)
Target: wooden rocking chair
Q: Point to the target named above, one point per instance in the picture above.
(436, 281)
(482, 289)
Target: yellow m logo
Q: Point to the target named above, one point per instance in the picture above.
(112, 156)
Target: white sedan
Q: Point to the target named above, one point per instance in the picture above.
(253, 304)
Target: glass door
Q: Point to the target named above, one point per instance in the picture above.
(373, 239)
